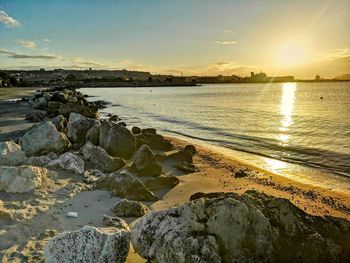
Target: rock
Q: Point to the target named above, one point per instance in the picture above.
(149, 131)
(39, 103)
(125, 185)
(59, 97)
(122, 123)
(117, 140)
(5, 216)
(11, 153)
(135, 130)
(93, 134)
(114, 222)
(54, 106)
(21, 179)
(114, 118)
(68, 161)
(155, 141)
(241, 173)
(92, 175)
(78, 107)
(89, 244)
(44, 138)
(248, 228)
(77, 127)
(145, 163)
(35, 116)
(41, 161)
(191, 149)
(181, 156)
(187, 167)
(126, 208)
(60, 123)
(99, 159)
(162, 182)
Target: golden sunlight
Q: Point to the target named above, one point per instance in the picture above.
(291, 54)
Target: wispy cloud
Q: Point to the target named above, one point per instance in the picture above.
(232, 42)
(8, 20)
(27, 43)
(47, 40)
(82, 63)
(16, 55)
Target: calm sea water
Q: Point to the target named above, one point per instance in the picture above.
(290, 127)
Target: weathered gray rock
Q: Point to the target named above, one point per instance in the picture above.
(93, 134)
(78, 107)
(42, 139)
(125, 185)
(153, 140)
(11, 153)
(99, 159)
(21, 179)
(114, 221)
(117, 140)
(92, 175)
(39, 103)
(36, 116)
(78, 126)
(127, 208)
(162, 182)
(54, 106)
(41, 161)
(60, 123)
(145, 163)
(114, 118)
(89, 244)
(68, 161)
(248, 228)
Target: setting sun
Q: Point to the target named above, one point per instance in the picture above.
(291, 54)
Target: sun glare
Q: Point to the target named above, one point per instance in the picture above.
(291, 54)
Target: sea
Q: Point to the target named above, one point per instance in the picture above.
(299, 130)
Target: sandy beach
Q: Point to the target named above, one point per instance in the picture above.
(31, 219)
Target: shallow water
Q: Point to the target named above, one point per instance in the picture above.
(290, 126)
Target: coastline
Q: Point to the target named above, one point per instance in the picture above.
(47, 206)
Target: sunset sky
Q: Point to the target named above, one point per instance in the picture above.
(203, 37)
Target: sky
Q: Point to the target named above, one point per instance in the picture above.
(189, 37)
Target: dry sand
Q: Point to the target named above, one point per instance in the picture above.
(38, 215)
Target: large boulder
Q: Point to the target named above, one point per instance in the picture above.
(60, 123)
(248, 228)
(162, 182)
(21, 179)
(93, 134)
(127, 208)
(99, 159)
(42, 139)
(39, 103)
(77, 127)
(117, 140)
(69, 162)
(38, 160)
(11, 153)
(35, 116)
(78, 107)
(89, 244)
(125, 185)
(153, 140)
(145, 164)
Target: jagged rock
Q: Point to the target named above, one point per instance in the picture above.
(241, 173)
(78, 107)
(39, 103)
(44, 138)
(162, 182)
(92, 175)
(11, 153)
(248, 228)
(93, 134)
(54, 106)
(21, 179)
(187, 167)
(77, 127)
(145, 163)
(114, 221)
(41, 161)
(99, 159)
(117, 140)
(125, 185)
(60, 123)
(59, 97)
(155, 141)
(89, 244)
(114, 118)
(126, 208)
(68, 161)
(35, 116)
(135, 130)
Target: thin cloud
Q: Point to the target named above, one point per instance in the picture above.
(28, 44)
(81, 63)
(8, 20)
(47, 40)
(15, 55)
(225, 42)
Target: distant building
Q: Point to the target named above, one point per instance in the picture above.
(317, 77)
